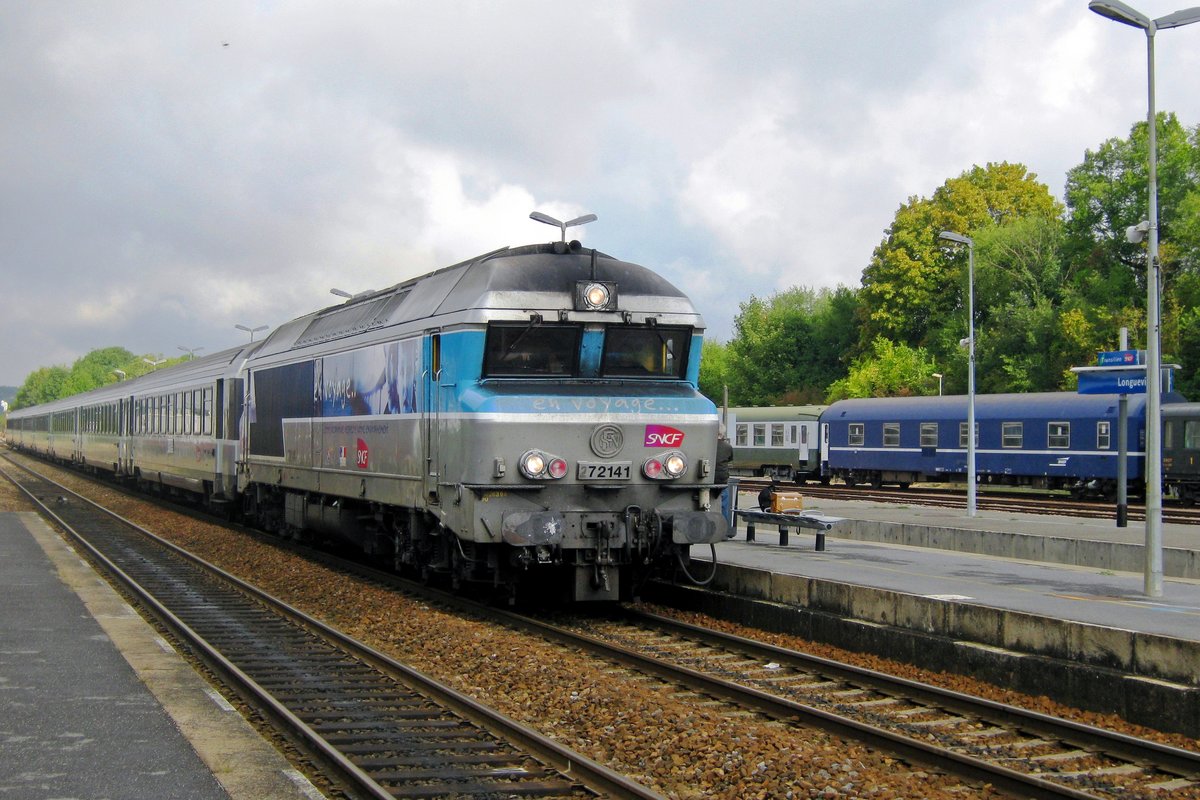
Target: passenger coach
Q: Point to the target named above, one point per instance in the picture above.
(1053, 440)
(1181, 451)
(779, 442)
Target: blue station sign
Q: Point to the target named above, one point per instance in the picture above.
(1117, 381)
(1121, 358)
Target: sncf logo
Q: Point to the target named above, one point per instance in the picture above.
(662, 436)
(363, 455)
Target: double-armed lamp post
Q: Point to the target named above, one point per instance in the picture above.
(1118, 11)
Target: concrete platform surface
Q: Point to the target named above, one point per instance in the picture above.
(923, 551)
(97, 705)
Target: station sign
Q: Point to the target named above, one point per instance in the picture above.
(1122, 381)
(1114, 380)
(1121, 358)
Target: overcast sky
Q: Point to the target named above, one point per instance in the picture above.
(170, 170)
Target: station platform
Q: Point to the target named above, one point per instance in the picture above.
(97, 704)
(1048, 605)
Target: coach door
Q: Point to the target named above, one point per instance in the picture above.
(431, 417)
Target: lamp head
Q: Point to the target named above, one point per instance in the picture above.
(1119, 12)
(1134, 234)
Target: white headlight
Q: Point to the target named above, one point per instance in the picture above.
(533, 464)
(675, 464)
(596, 295)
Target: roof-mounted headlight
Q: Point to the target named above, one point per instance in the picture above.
(595, 296)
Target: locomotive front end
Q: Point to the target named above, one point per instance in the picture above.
(580, 449)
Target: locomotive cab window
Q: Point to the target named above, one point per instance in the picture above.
(531, 350)
(650, 352)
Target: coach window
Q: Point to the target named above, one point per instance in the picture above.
(760, 435)
(1103, 435)
(962, 435)
(777, 435)
(1058, 435)
(1191, 435)
(1012, 434)
(741, 434)
(929, 434)
(891, 434)
(856, 434)
(208, 412)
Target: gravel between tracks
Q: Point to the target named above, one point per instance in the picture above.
(668, 739)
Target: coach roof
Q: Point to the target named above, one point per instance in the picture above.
(1038, 405)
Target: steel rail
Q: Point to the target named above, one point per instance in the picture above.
(1008, 780)
(571, 764)
(1118, 745)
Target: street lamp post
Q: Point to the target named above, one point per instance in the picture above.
(191, 351)
(939, 376)
(154, 362)
(1118, 11)
(951, 236)
(250, 330)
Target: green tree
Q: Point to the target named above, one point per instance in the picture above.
(714, 370)
(96, 369)
(891, 370)
(41, 386)
(788, 348)
(906, 293)
(1108, 193)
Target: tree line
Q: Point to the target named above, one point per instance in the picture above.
(1054, 283)
(97, 368)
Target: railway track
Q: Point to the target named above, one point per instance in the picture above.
(382, 729)
(1018, 751)
(988, 500)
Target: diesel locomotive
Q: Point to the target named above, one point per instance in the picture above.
(528, 416)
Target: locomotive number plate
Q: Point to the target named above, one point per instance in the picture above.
(607, 471)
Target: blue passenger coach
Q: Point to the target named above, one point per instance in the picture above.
(1051, 440)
